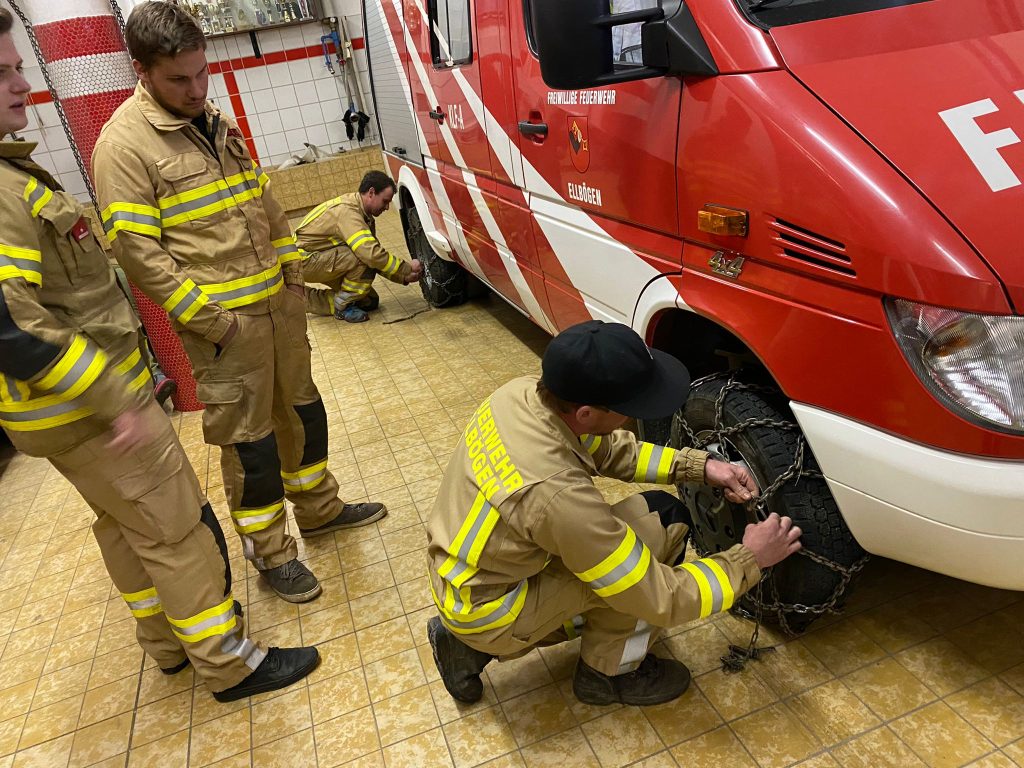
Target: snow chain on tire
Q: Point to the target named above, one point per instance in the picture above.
(737, 656)
(444, 288)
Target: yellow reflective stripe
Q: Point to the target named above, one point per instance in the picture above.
(728, 594)
(144, 603)
(13, 390)
(198, 193)
(716, 592)
(491, 615)
(591, 443)
(36, 425)
(222, 194)
(129, 362)
(286, 249)
(239, 293)
(391, 267)
(218, 620)
(362, 241)
(131, 217)
(83, 363)
(570, 629)
(305, 479)
(468, 544)
(36, 195)
(642, 462)
(614, 560)
(135, 367)
(358, 235)
(184, 303)
(654, 464)
(20, 262)
(626, 566)
(319, 211)
(703, 586)
(253, 520)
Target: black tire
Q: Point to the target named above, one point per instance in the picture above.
(768, 451)
(444, 283)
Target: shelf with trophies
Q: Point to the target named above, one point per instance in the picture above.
(228, 17)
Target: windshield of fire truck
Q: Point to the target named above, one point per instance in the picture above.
(778, 13)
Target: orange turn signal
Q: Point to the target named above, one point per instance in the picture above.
(719, 220)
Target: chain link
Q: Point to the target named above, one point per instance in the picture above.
(56, 101)
(796, 471)
(428, 257)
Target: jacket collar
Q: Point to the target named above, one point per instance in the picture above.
(556, 424)
(159, 117)
(17, 150)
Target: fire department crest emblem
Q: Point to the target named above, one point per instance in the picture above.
(579, 143)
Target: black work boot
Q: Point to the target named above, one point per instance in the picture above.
(655, 681)
(293, 582)
(176, 668)
(280, 668)
(460, 666)
(351, 516)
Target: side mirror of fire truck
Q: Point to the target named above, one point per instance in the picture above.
(573, 39)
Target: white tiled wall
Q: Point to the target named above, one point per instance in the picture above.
(287, 104)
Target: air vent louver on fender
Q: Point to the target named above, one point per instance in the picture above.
(810, 248)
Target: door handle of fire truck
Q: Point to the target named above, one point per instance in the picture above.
(533, 129)
(436, 114)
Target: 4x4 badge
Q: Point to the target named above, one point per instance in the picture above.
(722, 265)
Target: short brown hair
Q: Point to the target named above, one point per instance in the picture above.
(553, 401)
(378, 181)
(6, 21)
(158, 29)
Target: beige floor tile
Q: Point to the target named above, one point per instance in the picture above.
(362, 554)
(775, 737)
(888, 689)
(423, 749)
(622, 737)
(270, 613)
(688, 716)
(941, 666)
(941, 737)
(325, 625)
(220, 738)
(660, 760)
(295, 751)
(17, 699)
(715, 749)
(29, 666)
(162, 718)
(993, 708)
(51, 721)
(346, 738)
(394, 675)
(376, 608)
(992, 641)
(833, 713)
(564, 750)
(449, 709)
(995, 760)
(280, 716)
(206, 708)
(109, 700)
(512, 678)
(336, 696)
(334, 595)
(892, 627)
(385, 639)
(792, 668)
(880, 748)
(370, 579)
(700, 648)
(479, 737)
(101, 741)
(405, 715)
(734, 695)
(49, 754)
(338, 655)
(156, 685)
(10, 734)
(1016, 752)
(538, 714)
(115, 666)
(843, 647)
(62, 684)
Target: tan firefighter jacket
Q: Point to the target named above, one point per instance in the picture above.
(193, 226)
(342, 223)
(518, 492)
(70, 360)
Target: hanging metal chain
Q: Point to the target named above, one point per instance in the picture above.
(795, 472)
(56, 101)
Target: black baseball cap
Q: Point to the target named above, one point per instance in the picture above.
(609, 365)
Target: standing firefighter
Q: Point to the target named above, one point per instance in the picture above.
(194, 225)
(74, 388)
(524, 551)
(340, 249)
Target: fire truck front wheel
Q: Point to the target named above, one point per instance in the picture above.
(444, 283)
(753, 425)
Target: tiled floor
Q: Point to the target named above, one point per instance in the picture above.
(921, 670)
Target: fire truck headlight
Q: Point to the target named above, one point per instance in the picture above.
(972, 363)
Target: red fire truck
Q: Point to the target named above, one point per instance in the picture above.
(817, 205)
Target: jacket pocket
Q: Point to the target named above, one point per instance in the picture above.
(195, 195)
(80, 254)
(224, 420)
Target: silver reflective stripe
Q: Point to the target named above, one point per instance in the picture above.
(149, 602)
(135, 218)
(37, 194)
(249, 290)
(77, 371)
(25, 265)
(245, 649)
(213, 197)
(213, 621)
(500, 611)
(136, 369)
(635, 649)
(298, 482)
(247, 521)
(589, 442)
(651, 476)
(249, 552)
(185, 303)
(12, 389)
(467, 543)
(717, 598)
(623, 569)
(38, 414)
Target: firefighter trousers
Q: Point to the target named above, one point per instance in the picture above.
(348, 280)
(165, 552)
(265, 413)
(559, 606)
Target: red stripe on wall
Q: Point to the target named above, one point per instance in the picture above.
(82, 36)
(40, 97)
(277, 57)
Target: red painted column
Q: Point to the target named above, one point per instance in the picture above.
(92, 75)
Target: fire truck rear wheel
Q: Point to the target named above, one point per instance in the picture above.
(768, 451)
(444, 283)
